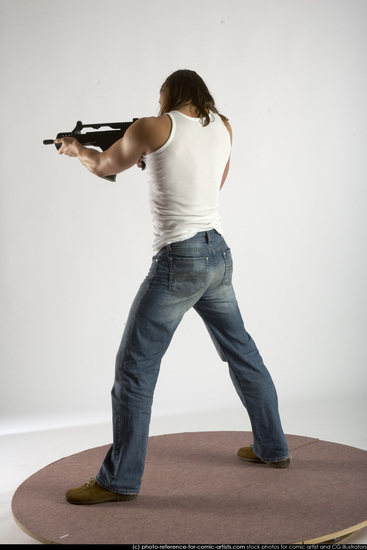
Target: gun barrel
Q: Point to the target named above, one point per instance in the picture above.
(48, 142)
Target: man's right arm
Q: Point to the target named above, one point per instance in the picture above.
(145, 136)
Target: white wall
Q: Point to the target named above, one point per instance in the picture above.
(291, 76)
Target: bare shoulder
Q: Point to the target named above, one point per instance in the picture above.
(153, 132)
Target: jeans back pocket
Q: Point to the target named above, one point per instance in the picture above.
(188, 276)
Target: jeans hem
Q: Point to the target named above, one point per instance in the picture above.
(271, 460)
(112, 490)
(277, 460)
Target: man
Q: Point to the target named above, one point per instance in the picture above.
(186, 150)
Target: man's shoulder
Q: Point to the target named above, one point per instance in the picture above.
(153, 122)
(153, 131)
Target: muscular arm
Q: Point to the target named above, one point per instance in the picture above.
(121, 156)
(143, 137)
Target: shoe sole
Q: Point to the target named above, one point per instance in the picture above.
(278, 465)
(253, 460)
(120, 498)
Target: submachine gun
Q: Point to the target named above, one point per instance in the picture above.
(98, 138)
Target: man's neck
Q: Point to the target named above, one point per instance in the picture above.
(189, 110)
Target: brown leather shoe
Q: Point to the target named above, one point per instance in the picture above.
(247, 453)
(93, 493)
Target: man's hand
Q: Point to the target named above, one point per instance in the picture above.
(141, 163)
(69, 146)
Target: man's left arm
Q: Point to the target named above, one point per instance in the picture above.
(226, 170)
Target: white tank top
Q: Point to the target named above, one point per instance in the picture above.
(184, 179)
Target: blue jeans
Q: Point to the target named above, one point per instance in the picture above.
(193, 273)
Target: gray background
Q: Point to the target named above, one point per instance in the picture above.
(290, 75)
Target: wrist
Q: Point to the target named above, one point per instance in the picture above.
(79, 148)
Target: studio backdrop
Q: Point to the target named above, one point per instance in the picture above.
(291, 77)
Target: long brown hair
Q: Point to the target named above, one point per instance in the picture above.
(185, 87)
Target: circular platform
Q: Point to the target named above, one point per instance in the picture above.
(197, 491)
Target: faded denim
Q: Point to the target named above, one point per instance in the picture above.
(196, 273)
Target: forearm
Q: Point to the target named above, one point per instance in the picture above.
(91, 159)
(102, 164)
